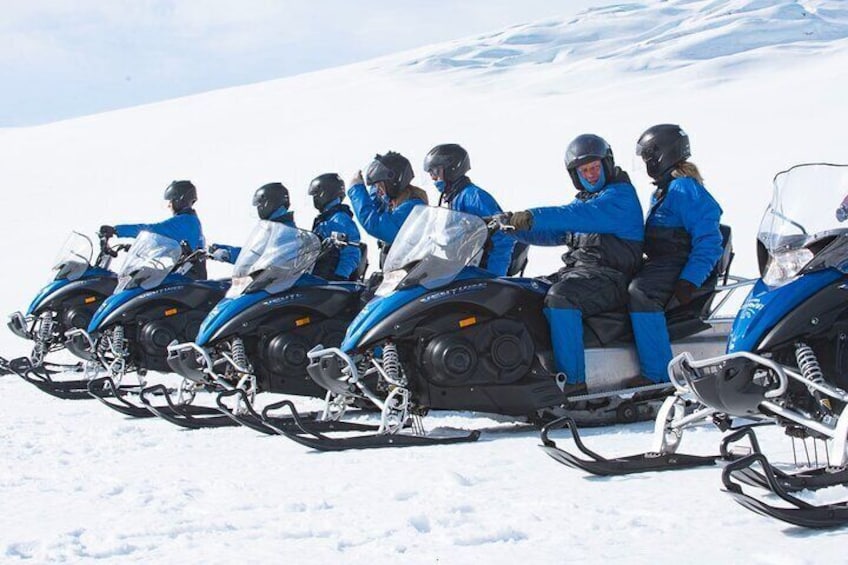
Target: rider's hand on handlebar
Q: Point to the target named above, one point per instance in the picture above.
(106, 232)
(522, 220)
(219, 253)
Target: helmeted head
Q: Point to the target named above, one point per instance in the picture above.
(326, 188)
(181, 194)
(391, 169)
(662, 147)
(580, 156)
(446, 164)
(269, 198)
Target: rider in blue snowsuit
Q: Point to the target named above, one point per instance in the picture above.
(338, 264)
(272, 203)
(683, 243)
(382, 211)
(184, 225)
(447, 165)
(603, 229)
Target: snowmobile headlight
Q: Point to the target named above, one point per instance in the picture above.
(239, 285)
(784, 266)
(391, 280)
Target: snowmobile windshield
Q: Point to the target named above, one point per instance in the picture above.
(806, 224)
(74, 257)
(432, 247)
(274, 257)
(150, 259)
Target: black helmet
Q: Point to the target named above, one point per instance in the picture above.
(450, 157)
(662, 147)
(182, 194)
(394, 169)
(268, 198)
(325, 188)
(585, 149)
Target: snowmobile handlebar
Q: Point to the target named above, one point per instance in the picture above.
(498, 222)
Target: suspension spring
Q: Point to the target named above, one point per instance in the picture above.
(808, 363)
(43, 337)
(239, 355)
(391, 363)
(117, 341)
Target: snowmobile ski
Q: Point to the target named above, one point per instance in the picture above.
(274, 425)
(599, 465)
(800, 513)
(105, 390)
(4, 367)
(183, 415)
(42, 377)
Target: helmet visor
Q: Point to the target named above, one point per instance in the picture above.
(377, 172)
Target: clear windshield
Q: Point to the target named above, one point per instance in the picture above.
(150, 259)
(74, 257)
(432, 247)
(273, 258)
(809, 203)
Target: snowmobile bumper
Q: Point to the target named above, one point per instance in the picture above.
(18, 324)
(79, 342)
(190, 361)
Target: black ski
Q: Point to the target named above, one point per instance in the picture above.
(4, 367)
(599, 465)
(105, 390)
(800, 513)
(184, 415)
(41, 377)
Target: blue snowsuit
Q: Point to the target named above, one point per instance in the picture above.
(604, 232)
(337, 264)
(280, 215)
(182, 226)
(464, 196)
(682, 241)
(380, 219)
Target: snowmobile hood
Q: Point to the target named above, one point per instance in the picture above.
(379, 308)
(224, 311)
(49, 291)
(119, 299)
(763, 308)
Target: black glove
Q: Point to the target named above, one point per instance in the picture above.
(107, 231)
(521, 220)
(684, 290)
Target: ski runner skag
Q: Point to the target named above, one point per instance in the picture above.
(257, 337)
(444, 334)
(786, 363)
(153, 304)
(78, 287)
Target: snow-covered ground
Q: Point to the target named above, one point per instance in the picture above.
(758, 85)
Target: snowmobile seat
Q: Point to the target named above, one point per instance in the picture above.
(610, 327)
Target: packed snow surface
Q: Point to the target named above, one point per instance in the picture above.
(758, 85)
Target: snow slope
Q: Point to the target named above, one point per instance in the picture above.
(758, 85)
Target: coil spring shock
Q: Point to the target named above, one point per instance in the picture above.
(239, 355)
(116, 344)
(43, 337)
(808, 363)
(391, 363)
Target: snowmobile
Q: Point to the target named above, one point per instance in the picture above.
(153, 304)
(78, 287)
(256, 338)
(786, 363)
(444, 334)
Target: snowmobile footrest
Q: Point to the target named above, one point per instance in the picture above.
(598, 465)
(800, 513)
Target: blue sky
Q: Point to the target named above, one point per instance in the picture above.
(64, 58)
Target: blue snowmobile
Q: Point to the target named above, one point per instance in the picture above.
(153, 304)
(256, 338)
(444, 334)
(786, 363)
(78, 287)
